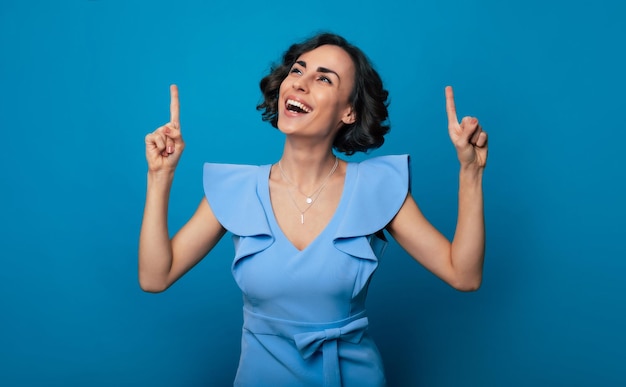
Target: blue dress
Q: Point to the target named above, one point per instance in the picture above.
(305, 322)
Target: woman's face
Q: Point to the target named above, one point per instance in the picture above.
(314, 98)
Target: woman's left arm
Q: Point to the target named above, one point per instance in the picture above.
(460, 262)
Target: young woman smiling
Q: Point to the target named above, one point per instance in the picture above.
(309, 229)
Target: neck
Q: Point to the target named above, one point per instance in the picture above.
(307, 168)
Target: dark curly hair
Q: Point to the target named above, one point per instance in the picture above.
(368, 98)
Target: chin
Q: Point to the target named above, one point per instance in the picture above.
(287, 127)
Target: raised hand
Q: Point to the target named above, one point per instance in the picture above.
(467, 136)
(165, 145)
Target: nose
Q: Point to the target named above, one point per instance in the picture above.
(300, 84)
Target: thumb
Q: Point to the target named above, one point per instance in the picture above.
(469, 128)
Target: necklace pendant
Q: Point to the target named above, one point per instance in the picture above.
(302, 218)
(309, 200)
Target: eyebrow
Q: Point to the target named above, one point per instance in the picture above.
(320, 69)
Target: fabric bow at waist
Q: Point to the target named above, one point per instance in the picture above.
(311, 337)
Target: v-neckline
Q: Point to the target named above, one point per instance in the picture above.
(266, 200)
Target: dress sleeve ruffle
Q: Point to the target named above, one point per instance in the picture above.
(232, 193)
(381, 186)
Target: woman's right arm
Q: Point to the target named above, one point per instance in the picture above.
(161, 260)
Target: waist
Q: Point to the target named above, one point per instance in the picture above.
(311, 338)
(261, 324)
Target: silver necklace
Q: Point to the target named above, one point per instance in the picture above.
(310, 199)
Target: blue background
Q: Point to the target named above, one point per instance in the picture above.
(84, 81)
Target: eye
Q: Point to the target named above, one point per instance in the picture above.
(325, 79)
(295, 70)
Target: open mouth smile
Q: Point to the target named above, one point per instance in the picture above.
(297, 106)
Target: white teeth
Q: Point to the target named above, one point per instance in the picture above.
(299, 105)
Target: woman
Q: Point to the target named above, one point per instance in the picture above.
(308, 230)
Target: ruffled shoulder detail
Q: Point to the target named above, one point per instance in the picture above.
(379, 189)
(232, 193)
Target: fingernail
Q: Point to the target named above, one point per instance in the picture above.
(170, 149)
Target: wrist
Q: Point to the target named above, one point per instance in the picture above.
(470, 175)
(160, 177)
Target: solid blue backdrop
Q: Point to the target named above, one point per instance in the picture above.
(84, 81)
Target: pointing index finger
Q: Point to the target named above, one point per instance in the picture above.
(174, 106)
(450, 107)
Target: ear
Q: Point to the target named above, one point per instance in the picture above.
(350, 116)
